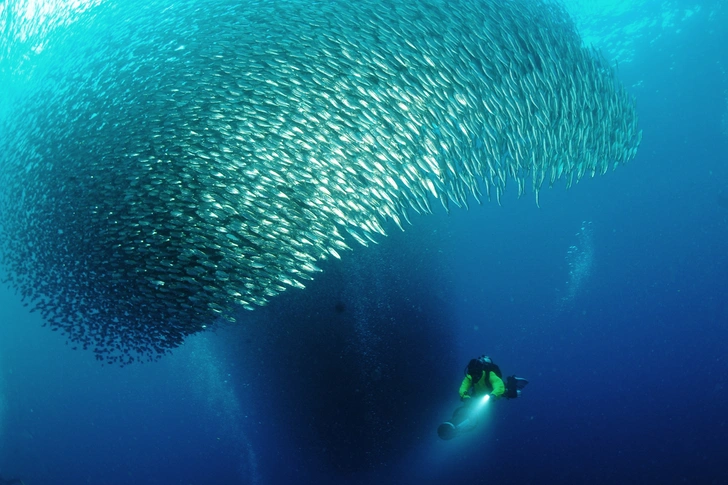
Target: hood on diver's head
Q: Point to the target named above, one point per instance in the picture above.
(475, 369)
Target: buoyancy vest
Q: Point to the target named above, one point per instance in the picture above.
(487, 369)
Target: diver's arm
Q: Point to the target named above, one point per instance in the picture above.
(465, 387)
(497, 384)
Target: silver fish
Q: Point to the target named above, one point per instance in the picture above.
(198, 161)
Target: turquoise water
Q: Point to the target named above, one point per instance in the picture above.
(610, 298)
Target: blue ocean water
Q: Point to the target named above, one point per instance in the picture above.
(611, 298)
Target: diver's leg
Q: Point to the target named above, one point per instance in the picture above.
(459, 415)
(511, 388)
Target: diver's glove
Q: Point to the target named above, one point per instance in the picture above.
(465, 397)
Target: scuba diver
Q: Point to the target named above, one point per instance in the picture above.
(483, 381)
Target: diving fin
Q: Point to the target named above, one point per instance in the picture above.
(514, 385)
(447, 431)
(520, 382)
(459, 422)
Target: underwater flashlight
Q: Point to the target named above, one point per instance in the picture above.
(481, 403)
(463, 420)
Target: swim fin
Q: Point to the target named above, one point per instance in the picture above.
(459, 422)
(514, 385)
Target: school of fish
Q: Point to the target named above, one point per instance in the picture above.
(175, 166)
